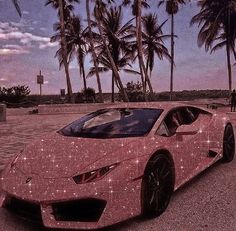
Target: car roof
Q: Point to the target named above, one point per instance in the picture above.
(165, 105)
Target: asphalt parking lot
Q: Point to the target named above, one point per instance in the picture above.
(207, 203)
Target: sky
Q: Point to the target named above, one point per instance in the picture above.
(25, 49)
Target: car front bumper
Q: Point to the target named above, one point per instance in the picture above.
(89, 206)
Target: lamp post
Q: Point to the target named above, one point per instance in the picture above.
(40, 81)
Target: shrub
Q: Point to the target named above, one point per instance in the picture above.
(15, 94)
(134, 92)
(88, 95)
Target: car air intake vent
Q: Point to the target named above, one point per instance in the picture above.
(212, 153)
(24, 209)
(85, 210)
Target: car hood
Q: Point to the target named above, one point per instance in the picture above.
(57, 156)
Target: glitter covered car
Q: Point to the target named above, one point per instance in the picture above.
(114, 164)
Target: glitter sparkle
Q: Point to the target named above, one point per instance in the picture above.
(59, 169)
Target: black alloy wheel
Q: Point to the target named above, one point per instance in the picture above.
(228, 144)
(157, 186)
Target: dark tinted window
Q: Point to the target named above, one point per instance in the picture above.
(173, 121)
(178, 117)
(181, 116)
(114, 123)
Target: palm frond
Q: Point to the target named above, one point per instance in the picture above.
(16, 4)
(92, 71)
(130, 71)
(218, 46)
(215, 18)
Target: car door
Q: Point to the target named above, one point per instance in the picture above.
(207, 139)
(185, 149)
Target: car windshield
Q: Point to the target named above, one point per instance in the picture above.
(114, 123)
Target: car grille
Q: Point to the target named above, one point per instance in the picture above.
(25, 209)
(84, 210)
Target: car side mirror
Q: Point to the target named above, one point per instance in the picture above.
(187, 130)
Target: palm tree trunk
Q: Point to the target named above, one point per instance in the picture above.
(140, 50)
(101, 100)
(227, 30)
(81, 66)
(229, 66)
(172, 57)
(113, 88)
(140, 66)
(64, 51)
(147, 63)
(84, 78)
(113, 65)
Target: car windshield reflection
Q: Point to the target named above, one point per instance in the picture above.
(114, 123)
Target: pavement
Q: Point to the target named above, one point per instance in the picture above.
(207, 203)
(20, 129)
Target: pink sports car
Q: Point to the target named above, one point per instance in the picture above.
(114, 164)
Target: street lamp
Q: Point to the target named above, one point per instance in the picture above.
(40, 81)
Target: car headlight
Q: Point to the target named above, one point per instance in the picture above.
(94, 175)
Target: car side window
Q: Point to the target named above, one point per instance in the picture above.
(188, 115)
(162, 130)
(178, 117)
(200, 114)
(170, 124)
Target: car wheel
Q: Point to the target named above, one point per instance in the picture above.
(228, 143)
(157, 186)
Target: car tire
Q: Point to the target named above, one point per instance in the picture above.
(157, 186)
(228, 144)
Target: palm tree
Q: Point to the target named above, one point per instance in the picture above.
(218, 21)
(117, 37)
(137, 12)
(15, 2)
(78, 45)
(105, 66)
(100, 8)
(153, 41)
(75, 36)
(94, 56)
(172, 8)
(64, 8)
